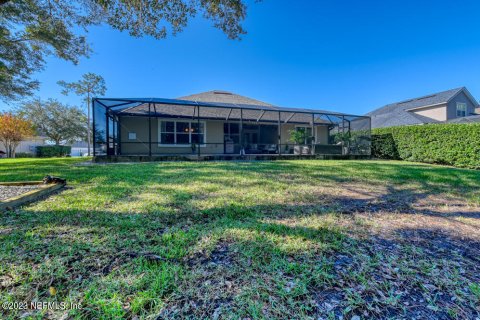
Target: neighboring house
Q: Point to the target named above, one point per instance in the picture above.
(28, 146)
(456, 105)
(221, 123)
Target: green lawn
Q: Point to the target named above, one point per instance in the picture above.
(222, 240)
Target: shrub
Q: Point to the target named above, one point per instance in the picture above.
(450, 144)
(24, 155)
(53, 151)
(384, 146)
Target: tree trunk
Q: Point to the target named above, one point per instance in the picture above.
(88, 124)
(10, 150)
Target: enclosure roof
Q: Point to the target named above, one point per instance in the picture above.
(224, 100)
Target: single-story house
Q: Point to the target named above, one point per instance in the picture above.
(222, 123)
(455, 105)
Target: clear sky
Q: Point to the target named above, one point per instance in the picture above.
(348, 56)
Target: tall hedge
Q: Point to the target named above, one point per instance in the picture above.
(450, 144)
(53, 151)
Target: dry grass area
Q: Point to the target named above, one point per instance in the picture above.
(246, 240)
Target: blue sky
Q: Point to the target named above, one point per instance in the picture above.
(349, 56)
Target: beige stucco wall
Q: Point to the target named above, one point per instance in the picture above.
(285, 133)
(214, 137)
(438, 113)
(321, 136)
(139, 125)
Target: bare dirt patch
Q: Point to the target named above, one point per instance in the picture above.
(212, 287)
(423, 248)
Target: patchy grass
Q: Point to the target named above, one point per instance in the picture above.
(283, 239)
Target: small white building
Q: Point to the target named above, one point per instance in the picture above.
(27, 146)
(79, 149)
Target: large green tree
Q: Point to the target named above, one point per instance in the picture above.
(59, 122)
(89, 86)
(31, 30)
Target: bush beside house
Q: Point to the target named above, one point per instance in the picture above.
(450, 144)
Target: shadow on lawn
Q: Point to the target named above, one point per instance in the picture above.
(96, 259)
(431, 178)
(181, 206)
(96, 242)
(182, 214)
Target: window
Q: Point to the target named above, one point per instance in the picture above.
(231, 132)
(181, 132)
(132, 136)
(461, 109)
(308, 133)
(197, 132)
(167, 132)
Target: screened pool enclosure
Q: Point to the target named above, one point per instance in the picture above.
(158, 127)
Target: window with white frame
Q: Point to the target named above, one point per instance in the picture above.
(461, 109)
(181, 132)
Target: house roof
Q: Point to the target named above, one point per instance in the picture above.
(225, 97)
(468, 119)
(398, 114)
(399, 118)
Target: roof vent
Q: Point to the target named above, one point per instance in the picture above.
(406, 101)
(222, 92)
(426, 97)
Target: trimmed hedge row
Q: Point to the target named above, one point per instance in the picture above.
(53, 151)
(450, 144)
(24, 155)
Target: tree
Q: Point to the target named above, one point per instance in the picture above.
(59, 122)
(89, 86)
(31, 30)
(13, 130)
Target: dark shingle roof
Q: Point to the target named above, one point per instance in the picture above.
(399, 118)
(221, 96)
(397, 114)
(227, 98)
